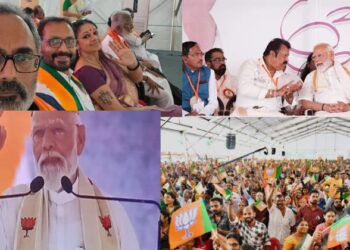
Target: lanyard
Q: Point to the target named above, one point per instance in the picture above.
(191, 83)
(220, 84)
(268, 73)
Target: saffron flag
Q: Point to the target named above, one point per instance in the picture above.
(339, 233)
(189, 222)
(269, 173)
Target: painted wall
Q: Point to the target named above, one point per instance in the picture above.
(243, 28)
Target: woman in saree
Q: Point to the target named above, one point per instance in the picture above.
(301, 240)
(111, 83)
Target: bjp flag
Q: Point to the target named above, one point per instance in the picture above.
(189, 222)
(269, 173)
(339, 233)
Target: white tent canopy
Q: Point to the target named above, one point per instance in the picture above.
(194, 138)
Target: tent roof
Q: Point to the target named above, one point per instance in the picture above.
(255, 132)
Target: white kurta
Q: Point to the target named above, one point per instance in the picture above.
(329, 90)
(332, 87)
(280, 226)
(65, 225)
(253, 85)
(226, 82)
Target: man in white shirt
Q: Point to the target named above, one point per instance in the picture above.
(260, 93)
(199, 96)
(226, 84)
(60, 220)
(282, 218)
(327, 89)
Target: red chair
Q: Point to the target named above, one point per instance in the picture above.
(275, 244)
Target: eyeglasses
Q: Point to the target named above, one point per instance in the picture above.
(217, 60)
(196, 55)
(57, 42)
(24, 63)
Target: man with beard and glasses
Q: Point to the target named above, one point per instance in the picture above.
(61, 220)
(19, 62)
(199, 95)
(327, 89)
(225, 82)
(254, 233)
(311, 212)
(260, 92)
(282, 218)
(55, 76)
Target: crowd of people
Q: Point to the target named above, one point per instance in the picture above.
(266, 204)
(264, 87)
(64, 64)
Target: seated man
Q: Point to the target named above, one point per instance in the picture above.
(55, 76)
(61, 220)
(124, 22)
(19, 63)
(225, 82)
(157, 88)
(326, 89)
(260, 93)
(199, 95)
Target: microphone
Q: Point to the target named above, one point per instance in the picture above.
(68, 187)
(35, 186)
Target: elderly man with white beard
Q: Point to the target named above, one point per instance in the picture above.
(327, 89)
(60, 220)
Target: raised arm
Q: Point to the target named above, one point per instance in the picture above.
(230, 213)
(127, 59)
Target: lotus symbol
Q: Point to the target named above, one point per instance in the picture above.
(185, 220)
(342, 234)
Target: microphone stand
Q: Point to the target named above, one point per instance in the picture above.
(126, 200)
(15, 195)
(241, 157)
(35, 186)
(67, 186)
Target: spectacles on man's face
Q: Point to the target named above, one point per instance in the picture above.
(57, 42)
(196, 55)
(24, 63)
(218, 60)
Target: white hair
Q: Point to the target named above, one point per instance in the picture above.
(328, 47)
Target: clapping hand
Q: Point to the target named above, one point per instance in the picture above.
(291, 87)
